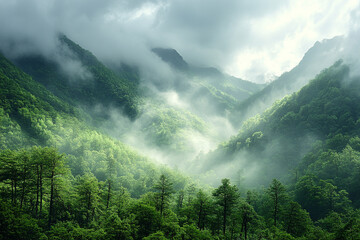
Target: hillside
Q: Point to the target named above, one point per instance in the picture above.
(61, 178)
(114, 102)
(78, 77)
(322, 55)
(275, 142)
(120, 120)
(206, 85)
(33, 116)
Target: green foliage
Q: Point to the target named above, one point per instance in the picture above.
(147, 219)
(28, 120)
(117, 228)
(164, 190)
(297, 221)
(70, 230)
(16, 225)
(85, 216)
(26, 104)
(171, 128)
(276, 142)
(93, 82)
(87, 188)
(93, 187)
(226, 196)
(276, 192)
(156, 236)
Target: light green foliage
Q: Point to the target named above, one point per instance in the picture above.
(63, 179)
(171, 128)
(326, 109)
(147, 219)
(87, 188)
(95, 84)
(222, 99)
(191, 232)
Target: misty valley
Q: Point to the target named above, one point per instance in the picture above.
(97, 146)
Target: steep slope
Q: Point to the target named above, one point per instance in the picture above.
(321, 55)
(22, 110)
(274, 143)
(113, 192)
(220, 92)
(172, 57)
(76, 76)
(30, 116)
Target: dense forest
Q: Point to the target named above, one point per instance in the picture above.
(64, 175)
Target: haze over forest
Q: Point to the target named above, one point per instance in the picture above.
(161, 119)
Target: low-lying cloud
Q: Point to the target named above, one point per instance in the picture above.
(209, 33)
(252, 39)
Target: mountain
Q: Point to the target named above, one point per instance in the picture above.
(321, 55)
(219, 91)
(103, 96)
(62, 177)
(30, 115)
(78, 77)
(22, 112)
(172, 57)
(275, 143)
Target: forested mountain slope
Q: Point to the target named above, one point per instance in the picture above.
(326, 112)
(322, 55)
(220, 92)
(62, 179)
(77, 76)
(32, 116)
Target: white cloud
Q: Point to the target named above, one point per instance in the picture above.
(252, 39)
(278, 41)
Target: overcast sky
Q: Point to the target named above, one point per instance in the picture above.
(252, 39)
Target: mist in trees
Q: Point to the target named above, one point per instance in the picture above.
(291, 172)
(47, 202)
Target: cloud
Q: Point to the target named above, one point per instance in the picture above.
(280, 40)
(206, 32)
(25, 27)
(251, 39)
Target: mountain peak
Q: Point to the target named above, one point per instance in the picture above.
(172, 57)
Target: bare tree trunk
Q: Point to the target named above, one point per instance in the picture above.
(224, 217)
(41, 189)
(15, 191)
(23, 188)
(200, 214)
(88, 208)
(51, 207)
(37, 191)
(275, 208)
(108, 195)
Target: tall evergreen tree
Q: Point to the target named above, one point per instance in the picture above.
(226, 196)
(55, 167)
(164, 188)
(88, 195)
(202, 206)
(276, 192)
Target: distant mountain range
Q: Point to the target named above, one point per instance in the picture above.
(321, 55)
(235, 88)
